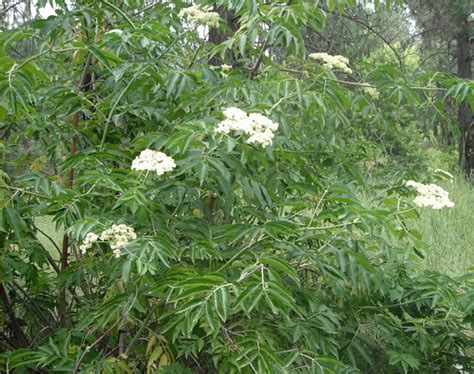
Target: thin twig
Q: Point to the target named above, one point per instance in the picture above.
(22, 190)
(136, 336)
(332, 226)
(99, 339)
(240, 253)
(146, 8)
(31, 303)
(70, 184)
(362, 84)
(16, 327)
(49, 238)
(119, 11)
(32, 58)
(254, 70)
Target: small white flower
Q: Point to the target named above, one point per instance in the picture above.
(150, 160)
(244, 125)
(259, 129)
(262, 138)
(117, 252)
(88, 242)
(200, 15)
(225, 127)
(234, 113)
(430, 195)
(371, 91)
(118, 236)
(226, 67)
(91, 237)
(262, 123)
(332, 62)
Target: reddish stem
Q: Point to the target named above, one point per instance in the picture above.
(83, 85)
(20, 336)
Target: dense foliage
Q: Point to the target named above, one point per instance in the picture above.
(243, 257)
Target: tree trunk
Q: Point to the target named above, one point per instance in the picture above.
(447, 136)
(217, 36)
(465, 115)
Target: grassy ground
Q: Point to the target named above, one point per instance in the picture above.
(450, 232)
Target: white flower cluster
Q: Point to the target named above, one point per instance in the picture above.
(332, 62)
(116, 235)
(371, 91)
(88, 242)
(258, 128)
(153, 161)
(200, 15)
(430, 195)
(225, 69)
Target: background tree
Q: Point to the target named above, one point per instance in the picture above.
(447, 30)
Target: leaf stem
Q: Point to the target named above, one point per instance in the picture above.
(120, 11)
(240, 253)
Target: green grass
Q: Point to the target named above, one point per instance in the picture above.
(449, 232)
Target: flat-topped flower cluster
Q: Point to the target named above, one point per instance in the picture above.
(117, 236)
(150, 160)
(259, 129)
(332, 62)
(371, 91)
(88, 242)
(200, 15)
(430, 195)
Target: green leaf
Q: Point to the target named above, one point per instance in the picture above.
(126, 267)
(103, 56)
(282, 265)
(332, 5)
(16, 223)
(203, 174)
